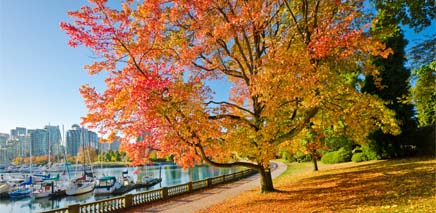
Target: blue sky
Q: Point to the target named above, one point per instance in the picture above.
(40, 75)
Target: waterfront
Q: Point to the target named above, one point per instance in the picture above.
(171, 175)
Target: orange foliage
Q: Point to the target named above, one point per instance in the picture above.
(286, 60)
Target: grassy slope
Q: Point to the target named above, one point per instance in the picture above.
(407, 185)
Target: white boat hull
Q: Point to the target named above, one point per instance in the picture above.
(4, 187)
(74, 189)
(105, 190)
(41, 194)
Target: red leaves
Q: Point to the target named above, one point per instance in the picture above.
(160, 56)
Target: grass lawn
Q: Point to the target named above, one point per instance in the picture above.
(406, 185)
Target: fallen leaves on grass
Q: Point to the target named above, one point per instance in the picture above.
(407, 185)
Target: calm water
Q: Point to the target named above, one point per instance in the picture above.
(171, 175)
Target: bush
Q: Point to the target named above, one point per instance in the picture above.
(340, 156)
(370, 152)
(344, 155)
(301, 157)
(339, 141)
(359, 157)
(329, 157)
(286, 156)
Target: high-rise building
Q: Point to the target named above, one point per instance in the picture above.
(6, 153)
(39, 141)
(78, 137)
(73, 139)
(18, 131)
(20, 134)
(3, 138)
(93, 140)
(54, 139)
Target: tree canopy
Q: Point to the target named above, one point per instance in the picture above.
(416, 14)
(287, 62)
(424, 94)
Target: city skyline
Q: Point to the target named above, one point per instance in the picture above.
(40, 75)
(23, 142)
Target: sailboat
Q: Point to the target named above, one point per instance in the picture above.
(83, 184)
(23, 190)
(52, 186)
(4, 189)
(80, 185)
(49, 188)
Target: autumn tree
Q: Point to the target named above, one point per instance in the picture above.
(18, 160)
(87, 154)
(286, 60)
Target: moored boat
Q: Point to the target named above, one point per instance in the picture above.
(48, 188)
(107, 185)
(126, 182)
(148, 181)
(4, 190)
(43, 191)
(24, 190)
(80, 185)
(20, 192)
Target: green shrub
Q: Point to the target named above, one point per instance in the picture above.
(344, 155)
(340, 156)
(359, 157)
(286, 156)
(329, 157)
(301, 157)
(370, 152)
(339, 141)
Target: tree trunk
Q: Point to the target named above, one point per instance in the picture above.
(266, 184)
(315, 164)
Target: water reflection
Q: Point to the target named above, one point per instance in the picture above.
(170, 174)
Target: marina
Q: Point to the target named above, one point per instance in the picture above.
(167, 175)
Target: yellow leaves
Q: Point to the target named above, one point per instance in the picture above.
(280, 75)
(330, 189)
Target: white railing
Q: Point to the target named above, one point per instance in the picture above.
(115, 204)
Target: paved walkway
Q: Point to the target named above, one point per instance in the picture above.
(202, 199)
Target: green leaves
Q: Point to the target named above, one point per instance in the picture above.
(424, 94)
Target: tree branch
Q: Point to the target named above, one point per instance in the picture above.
(234, 117)
(310, 114)
(225, 165)
(231, 104)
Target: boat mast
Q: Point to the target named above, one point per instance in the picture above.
(49, 148)
(30, 154)
(65, 152)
